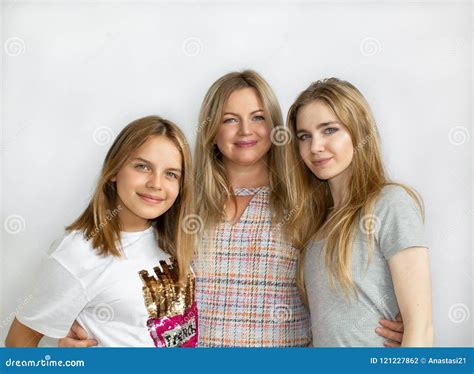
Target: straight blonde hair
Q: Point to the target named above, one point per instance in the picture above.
(215, 188)
(366, 182)
(100, 223)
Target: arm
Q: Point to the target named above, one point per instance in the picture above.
(76, 338)
(412, 285)
(20, 335)
(392, 331)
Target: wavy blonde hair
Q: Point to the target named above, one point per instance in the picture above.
(100, 223)
(366, 182)
(215, 188)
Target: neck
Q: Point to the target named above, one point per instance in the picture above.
(135, 227)
(249, 176)
(339, 186)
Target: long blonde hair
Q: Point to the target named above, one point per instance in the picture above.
(366, 182)
(100, 223)
(215, 188)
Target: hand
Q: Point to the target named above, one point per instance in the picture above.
(76, 338)
(392, 331)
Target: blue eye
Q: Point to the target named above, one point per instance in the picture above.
(259, 118)
(143, 167)
(230, 120)
(303, 137)
(330, 130)
(172, 175)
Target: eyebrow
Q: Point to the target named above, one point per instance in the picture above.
(235, 114)
(148, 162)
(323, 124)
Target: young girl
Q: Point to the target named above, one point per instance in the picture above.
(246, 265)
(98, 273)
(368, 255)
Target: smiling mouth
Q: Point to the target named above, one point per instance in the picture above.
(150, 199)
(246, 144)
(321, 162)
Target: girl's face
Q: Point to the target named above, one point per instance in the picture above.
(324, 143)
(148, 183)
(244, 134)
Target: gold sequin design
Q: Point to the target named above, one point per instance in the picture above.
(163, 296)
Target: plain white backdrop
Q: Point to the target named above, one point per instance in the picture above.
(74, 73)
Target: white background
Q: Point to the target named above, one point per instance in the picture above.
(75, 73)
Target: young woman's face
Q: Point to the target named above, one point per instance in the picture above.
(244, 134)
(148, 184)
(324, 144)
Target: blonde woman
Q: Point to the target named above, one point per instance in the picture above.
(98, 272)
(246, 265)
(367, 254)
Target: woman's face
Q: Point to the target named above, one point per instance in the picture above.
(148, 184)
(324, 143)
(244, 134)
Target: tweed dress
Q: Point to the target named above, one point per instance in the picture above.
(246, 282)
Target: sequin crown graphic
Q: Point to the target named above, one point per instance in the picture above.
(163, 295)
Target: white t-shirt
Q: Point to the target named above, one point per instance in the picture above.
(104, 293)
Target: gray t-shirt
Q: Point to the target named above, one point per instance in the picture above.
(338, 321)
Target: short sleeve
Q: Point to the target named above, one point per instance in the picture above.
(54, 301)
(400, 222)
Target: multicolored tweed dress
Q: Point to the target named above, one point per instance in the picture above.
(246, 283)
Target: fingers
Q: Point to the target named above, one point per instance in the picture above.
(74, 343)
(79, 331)
(392, 325)
(391, 344)
(389, 334)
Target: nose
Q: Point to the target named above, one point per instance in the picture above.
(244, 127)
(317, 144)
(155, 181)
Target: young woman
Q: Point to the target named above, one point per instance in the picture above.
(367, 255)
(246, 265)
(98, 273)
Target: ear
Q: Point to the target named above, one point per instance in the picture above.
(113, 179)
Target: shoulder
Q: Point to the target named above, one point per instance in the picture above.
(395, 197)
(393, 192)
(69, 242)
(73, 251)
